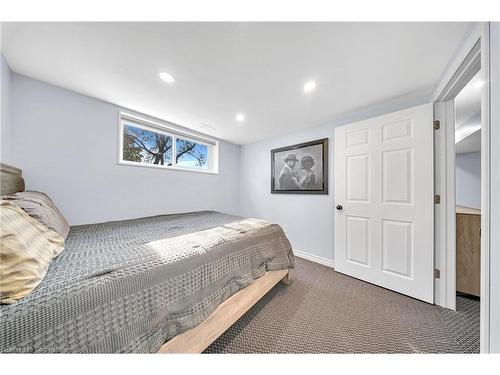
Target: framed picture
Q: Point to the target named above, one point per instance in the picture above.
(300, 169)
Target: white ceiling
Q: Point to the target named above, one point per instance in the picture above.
(468, 117)
(258, 69)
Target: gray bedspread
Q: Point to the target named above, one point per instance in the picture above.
(129, 286)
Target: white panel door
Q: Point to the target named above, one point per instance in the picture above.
(384, 190)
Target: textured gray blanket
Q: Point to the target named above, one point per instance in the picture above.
(129, 286)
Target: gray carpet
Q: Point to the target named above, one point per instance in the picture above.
(323, 311)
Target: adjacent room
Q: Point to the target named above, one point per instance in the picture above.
(468, 188)
(246, 187)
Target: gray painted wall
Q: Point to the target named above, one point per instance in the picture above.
(66, 145)
(307, 219)
(5, 128)
(495, 188)
(468, 179)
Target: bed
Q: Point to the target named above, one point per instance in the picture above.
(170, 283)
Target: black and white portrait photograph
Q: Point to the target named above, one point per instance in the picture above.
(300, 168)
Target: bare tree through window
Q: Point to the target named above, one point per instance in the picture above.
(149, 147)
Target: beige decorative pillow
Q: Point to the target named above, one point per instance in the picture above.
(26, 249)
(40, 206)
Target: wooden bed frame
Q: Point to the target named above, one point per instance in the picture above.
(197, 339)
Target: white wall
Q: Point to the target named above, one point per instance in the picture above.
(495, 188)
(5, 127)
(66, 145)
(468, 179)
(307, 219)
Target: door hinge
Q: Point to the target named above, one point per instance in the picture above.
(437, 273)
(437, 125)
(437, 199)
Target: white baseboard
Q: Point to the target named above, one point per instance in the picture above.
(314, 258)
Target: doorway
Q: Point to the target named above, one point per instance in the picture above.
(473, 59)
(468, 190)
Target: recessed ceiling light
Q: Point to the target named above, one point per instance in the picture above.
(479, 84)
(167, 77)
(240, 117)
(309, 86)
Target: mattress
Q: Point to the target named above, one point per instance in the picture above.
(130, 286)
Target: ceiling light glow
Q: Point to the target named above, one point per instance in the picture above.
(309, 86)
(464, 131)
(167, 77)
(479, 84)
(240, 117)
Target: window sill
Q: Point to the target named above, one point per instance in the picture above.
(155, 166)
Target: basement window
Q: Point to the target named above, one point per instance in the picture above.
(148, 144)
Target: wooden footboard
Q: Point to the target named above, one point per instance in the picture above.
(197, 339)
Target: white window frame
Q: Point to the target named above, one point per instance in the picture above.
(170, 131)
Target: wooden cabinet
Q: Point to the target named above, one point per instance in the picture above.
(468, 223)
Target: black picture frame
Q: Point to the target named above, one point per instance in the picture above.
(324, 160)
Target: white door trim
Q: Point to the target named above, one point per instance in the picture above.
(485, 189)
(457, 73)
(444, 213)
(473, 36)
